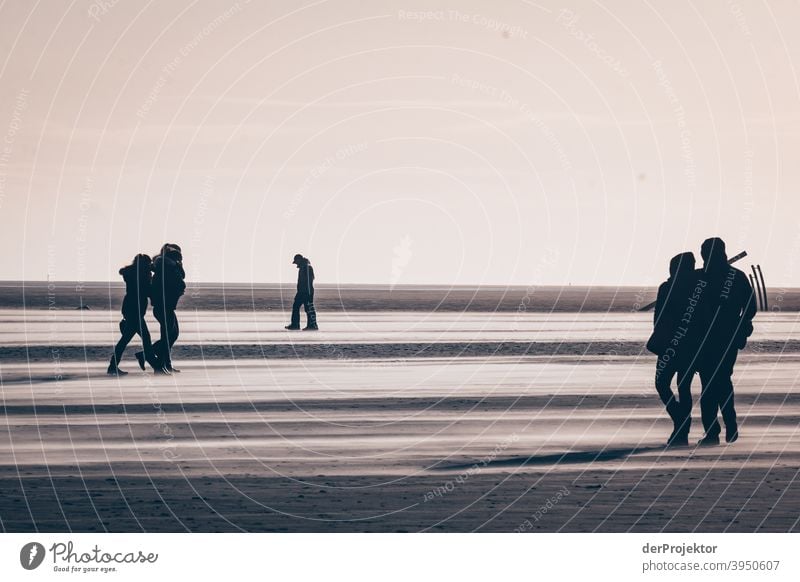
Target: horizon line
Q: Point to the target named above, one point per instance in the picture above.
(189, 284)
(320, 285)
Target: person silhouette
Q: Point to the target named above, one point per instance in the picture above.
(727, 308)
(138, 279)
(304, 296)
(168, 287)
(674, 341)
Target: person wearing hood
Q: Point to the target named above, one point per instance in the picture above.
(674, 341)
(168, 287)
(305, 295)
(728, 306)
(138, 279)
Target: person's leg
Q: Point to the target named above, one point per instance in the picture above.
(685, 377)
(174, 328)
(167, 337)
(311, 313)
(708, 399)
(665, 372)
(128, 331)
(148, 351)
(725, 398)
(161, 347)
(174, 331)
(298, 301)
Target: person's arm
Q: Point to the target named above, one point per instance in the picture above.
(749, 309)
(749, 300)
(656, 343)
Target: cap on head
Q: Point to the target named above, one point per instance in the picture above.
(713, 248)
(297, 259)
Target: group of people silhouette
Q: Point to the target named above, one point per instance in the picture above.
(161, 281)
(703, 317)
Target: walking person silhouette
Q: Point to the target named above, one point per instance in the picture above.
(138, 280)
(675, 341)
(305, 295)
(728, 307)
(168, 287)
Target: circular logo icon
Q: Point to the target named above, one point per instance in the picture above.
(31, 555)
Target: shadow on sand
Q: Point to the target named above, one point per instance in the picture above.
(557, 458)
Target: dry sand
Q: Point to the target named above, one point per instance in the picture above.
(463, 444)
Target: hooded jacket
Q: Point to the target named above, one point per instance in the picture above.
(168, 282)
(137, 291)
(676, 322)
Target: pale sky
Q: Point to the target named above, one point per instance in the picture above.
(446, 142)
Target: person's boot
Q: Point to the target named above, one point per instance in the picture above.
(113, 369)
(675, 413)
(680, 433)
(709, 441)
(731, 433)
(311, 322)
(674, 432)
(155, 363)
(679, 436)
(292, 327)
(686, 427)
(167, 365)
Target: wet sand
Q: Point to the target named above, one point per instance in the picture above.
(53, 337)
(457, 444)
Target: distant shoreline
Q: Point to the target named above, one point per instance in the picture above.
(64, 295)
(432, 287)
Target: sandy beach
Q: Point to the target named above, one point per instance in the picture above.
(383, 422)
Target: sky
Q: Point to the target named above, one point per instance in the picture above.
(428, 142)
